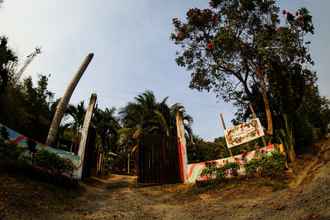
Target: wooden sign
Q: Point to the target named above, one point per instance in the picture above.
(244, 133)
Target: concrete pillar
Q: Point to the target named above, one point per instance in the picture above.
(84, 134)
(182, 148)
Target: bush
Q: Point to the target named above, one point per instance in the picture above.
(217, 174)
(267, 165)
(213, 172)
(231, 168)
(231, 165)
(303, 132)
(13, 153)
(3, 133)
(251, 167)
(204, 151)
(9, 151)
(53, 162)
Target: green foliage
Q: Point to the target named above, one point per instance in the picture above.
(231, 165)
(304, 131)
(213, 172)
(148, 116)
(43, 158)
(224, 47)
(53, 162)
(244, 148)
(3, 133)
(107, 127)
(78, 114)
(216, 174)
(286, 137)
(201, 150)
(9, 151)
(251, 167)
(266, 165)
(7, 57)
(224, 44)
(27, 108)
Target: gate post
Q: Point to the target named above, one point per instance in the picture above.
(84, 134)
(182, 149)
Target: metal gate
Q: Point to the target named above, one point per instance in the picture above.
(158, 160)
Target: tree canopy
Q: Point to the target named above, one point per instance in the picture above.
(148, 116)
(7, 57)
(240, 47)
(251, 52)
(223, 46)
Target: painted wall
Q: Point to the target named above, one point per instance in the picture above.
(22, 142)
(195, 169)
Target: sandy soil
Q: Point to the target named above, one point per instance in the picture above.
(305, 196)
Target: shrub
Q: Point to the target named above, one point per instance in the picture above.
(53, 162)
(210, 169)
(232, 167)
(9, 151)
(3, 133)
(303, 132)
(251, 167)
(267, 165)
(216, 174)
(213, 172)
(286, 137)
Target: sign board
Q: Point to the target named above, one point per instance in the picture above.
(244, 133)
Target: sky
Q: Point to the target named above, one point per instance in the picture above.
(132, 50)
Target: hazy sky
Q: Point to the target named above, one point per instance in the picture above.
(130, 40)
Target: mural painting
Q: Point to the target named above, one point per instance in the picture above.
(195, 169)
(29, 148)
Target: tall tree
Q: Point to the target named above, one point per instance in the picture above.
(236, 45)
(77, 113)
(148, 116)
(107, 127)
(7, 56)
(26, 107)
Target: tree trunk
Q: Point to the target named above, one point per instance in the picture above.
(62, 105)
(263, 91)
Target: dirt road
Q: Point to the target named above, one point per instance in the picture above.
(306, 197)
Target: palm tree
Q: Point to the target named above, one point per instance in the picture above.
(73, 121)
(107, 127)
(78, 114)
(147, 116)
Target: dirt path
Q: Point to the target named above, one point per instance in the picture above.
(118, 197)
